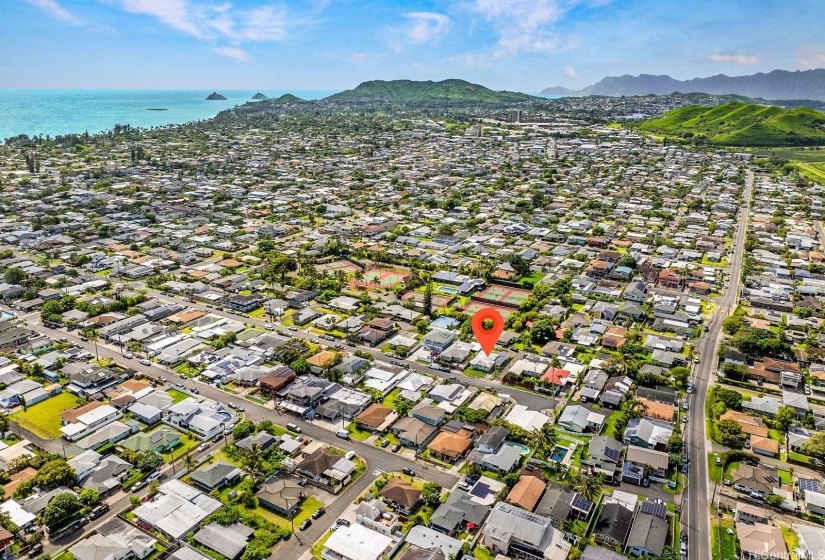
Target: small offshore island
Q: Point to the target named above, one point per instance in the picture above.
(215, 96)
(259, 95)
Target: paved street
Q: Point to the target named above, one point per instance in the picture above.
(695, 504)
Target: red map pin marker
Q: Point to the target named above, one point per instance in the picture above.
(488, 338)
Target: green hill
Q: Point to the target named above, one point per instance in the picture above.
(743, 124)
(446, 91)
(288, 98)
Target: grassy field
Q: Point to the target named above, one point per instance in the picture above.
(610, 423)
(44, 418)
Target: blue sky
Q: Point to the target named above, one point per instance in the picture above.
(522, 45)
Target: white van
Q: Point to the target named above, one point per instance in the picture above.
(343, 434)
(349, 455)
(293, 428)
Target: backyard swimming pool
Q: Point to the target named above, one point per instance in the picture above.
(558, 454)
(523, 449)
(447, 290)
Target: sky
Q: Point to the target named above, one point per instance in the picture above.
(519, 45)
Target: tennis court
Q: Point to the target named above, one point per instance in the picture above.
(438, 301)
(475, 306)
(335, 266)
(507, 296)
(382, 278)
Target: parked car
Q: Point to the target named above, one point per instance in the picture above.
(408, 471)
(35, 550)
(318, 513)
(128, 355)
(395, 448)
(343, 522)
(385, 443)
(203, 447)
(98, 511)
(154, 476)
(139, 485)
(305, 524)
(145, 362)
(343, 434)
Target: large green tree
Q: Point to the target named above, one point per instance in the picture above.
(61, 509)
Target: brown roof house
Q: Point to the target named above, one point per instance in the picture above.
(760, 541)
(277, 379)
(450, 446)
(527, 492)
(376, 418)
(401, 496)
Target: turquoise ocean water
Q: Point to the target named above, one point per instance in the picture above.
(64, 111)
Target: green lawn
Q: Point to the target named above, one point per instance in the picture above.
(186, 442)
(176, 395)
(728, 540)
(799, 457)
(309, 505)
(714, 472)
(390, 399)
(472, 372)
(785, 478)
(791, 540)
(356, 433)
(318, 547)
(610, 423)
(44, 417)
(392, 437)
(481, 553)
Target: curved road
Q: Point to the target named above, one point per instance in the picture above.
(695, 498)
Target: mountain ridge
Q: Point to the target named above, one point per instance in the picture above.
(412, 91)
(776, 84)
(742, 124)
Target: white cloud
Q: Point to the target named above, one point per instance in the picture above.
(233, 52)
(421, 28)
(426, 27)
(744, 59)
(808, 58)
(214, 21)
(55, 10)
(570, 71)
(526, 25)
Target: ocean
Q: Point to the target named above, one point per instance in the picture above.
(64, 111)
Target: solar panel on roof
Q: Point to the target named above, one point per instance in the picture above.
(612, 453)
(654, 508)
(480, 490)
(581, 504)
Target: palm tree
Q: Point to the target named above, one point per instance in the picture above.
(188, 462)
(588, 487)
(633, 408)
(93, 335)
(544, 440)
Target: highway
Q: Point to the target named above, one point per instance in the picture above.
(695, 498)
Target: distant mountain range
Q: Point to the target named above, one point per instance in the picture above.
(775, 85)
(445, 91)
(742, 124)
